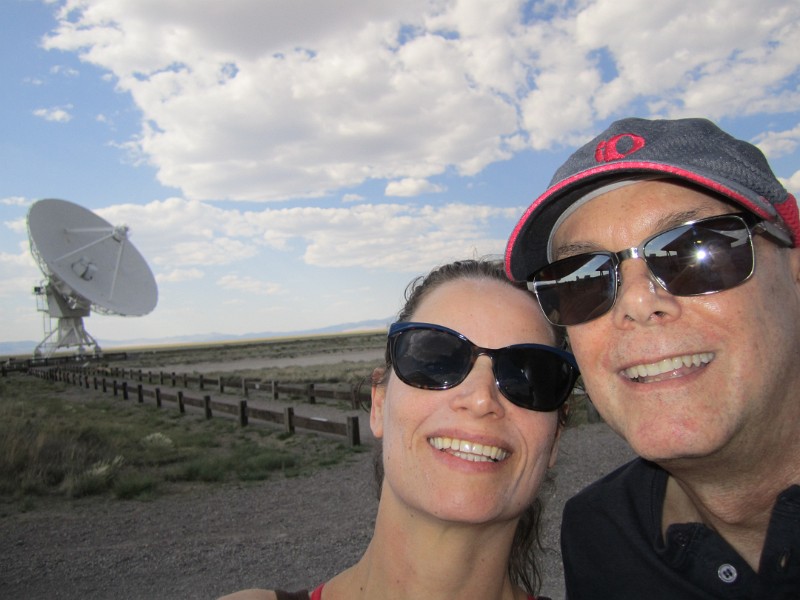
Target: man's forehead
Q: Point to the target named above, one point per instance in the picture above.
(638, 209)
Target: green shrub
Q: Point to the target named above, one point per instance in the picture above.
(134, 485)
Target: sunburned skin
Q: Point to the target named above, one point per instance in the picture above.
(669, 368)
(470, 451)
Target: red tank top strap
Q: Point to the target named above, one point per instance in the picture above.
(317, 593)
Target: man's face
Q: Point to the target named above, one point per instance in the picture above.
(684, 377)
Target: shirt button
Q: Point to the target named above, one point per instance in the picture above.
(727, 573)
(783, 561)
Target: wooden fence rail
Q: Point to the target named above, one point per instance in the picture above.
(240, 410)
(354, 394)
(16, 365)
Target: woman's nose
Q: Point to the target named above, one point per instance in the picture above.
(478, 393)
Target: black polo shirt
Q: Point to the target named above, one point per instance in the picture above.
(613, 549)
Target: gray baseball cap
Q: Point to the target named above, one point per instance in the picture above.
(691, 150)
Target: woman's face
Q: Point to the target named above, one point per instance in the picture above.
(463, 485)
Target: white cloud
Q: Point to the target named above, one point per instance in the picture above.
(18, 273)
(775, 144)
(178, 275)
(412, 187)
(399, 237)
(178, 236)
(15, 201)
(352, 198)
(793, 184)
(19, 226)
(55, 114)
(65, 71)
(251, 285)
(257, 101)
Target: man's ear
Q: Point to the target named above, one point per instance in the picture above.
(378, 398)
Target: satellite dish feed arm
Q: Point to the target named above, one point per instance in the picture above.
(82, 248)
(116, 269)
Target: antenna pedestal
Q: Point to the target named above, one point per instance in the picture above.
(70, 330)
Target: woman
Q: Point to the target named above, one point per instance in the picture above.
(467, 436)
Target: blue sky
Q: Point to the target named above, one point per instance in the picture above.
(292, 164)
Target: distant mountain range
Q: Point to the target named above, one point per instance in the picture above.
(27, 347)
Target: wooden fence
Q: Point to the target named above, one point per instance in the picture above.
(95, 378)
(310, 392)
(12, 365)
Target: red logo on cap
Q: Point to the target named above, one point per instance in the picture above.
(618, 147)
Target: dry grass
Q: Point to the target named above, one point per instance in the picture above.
(59, 440)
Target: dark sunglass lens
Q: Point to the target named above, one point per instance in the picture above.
(576, 289)
(709, 256)
(534, 378)
(430, 359)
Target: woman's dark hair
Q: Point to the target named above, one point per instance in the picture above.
(523, 567)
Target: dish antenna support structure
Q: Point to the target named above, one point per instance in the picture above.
(88, 265)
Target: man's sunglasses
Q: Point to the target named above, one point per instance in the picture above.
(432, 357)
(700, 257)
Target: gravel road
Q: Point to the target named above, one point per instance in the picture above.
(289, 533)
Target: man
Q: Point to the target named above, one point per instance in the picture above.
(668, 250)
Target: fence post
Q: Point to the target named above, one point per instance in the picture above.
(181, 406)
(104, 385)
(288, 419)
(115, 387)
(139, 393)
(200, 381)
(149, 377)
(312, 399)
(172, 380)
(243, 413)
(207, 405)
(244, 387)
(161, 378)
(158, 397)
(353, 435)
(274, 390)
(185, 380)
(221, 385)
(124, 390)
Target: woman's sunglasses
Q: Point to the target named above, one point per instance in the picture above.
(700, 257)
(432, 357)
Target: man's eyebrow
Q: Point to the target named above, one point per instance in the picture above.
(679, 218)
(572, 249)
(666, 222)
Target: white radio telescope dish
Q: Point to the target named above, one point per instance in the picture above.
(88, 265)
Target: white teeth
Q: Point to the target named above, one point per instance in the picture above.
(471, 451)
(668, 365)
